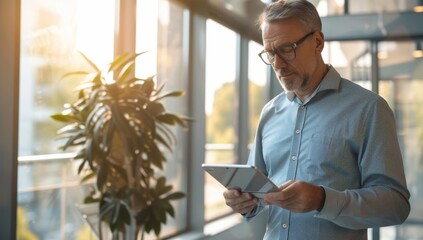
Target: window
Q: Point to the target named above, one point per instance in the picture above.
(258, 92)
(351, 59)
(221, 111)
(401, 81)
(159, 34)
(52, 33)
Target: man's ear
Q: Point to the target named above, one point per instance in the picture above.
(320, 42)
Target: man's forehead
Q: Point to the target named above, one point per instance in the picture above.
(284, 30)
(282, 26)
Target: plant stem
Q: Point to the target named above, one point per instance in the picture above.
(100, 230)
(142, 232)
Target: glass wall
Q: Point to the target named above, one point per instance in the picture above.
(401, 82)
(53, 33)
(351, 59)
(258, 90)
(221, 111)
(160, 35)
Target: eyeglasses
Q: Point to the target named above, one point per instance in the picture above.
(285, 52)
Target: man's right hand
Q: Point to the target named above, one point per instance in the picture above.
(240, 202)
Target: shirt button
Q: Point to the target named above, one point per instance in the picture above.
(302, 106)
(284, 226)
(294, 158)
(297, 131)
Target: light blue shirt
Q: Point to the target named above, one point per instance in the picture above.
(343, 138)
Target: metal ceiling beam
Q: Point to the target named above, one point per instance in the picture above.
(382, 26)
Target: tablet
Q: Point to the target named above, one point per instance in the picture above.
(246, 178)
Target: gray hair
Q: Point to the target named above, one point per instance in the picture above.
(302, 10)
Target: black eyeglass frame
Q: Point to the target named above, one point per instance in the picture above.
(270, 55)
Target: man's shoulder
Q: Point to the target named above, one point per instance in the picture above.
(359, 91)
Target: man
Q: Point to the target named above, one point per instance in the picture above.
(329, 144)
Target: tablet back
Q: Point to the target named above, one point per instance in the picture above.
(246, 178)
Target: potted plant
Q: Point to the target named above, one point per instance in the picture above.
(121, 130)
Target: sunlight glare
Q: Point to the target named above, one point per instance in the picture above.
(93, 23)
(146, 38)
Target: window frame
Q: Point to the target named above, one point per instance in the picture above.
(9, 106)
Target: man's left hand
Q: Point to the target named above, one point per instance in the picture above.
(297, 196)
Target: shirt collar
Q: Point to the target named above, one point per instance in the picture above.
(330, 81)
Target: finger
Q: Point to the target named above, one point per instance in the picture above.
(245, 206)
(234, 201)
(284, 196)
(286, 184)
(231, 193)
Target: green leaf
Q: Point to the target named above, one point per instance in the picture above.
(168, 134)
(71, 129)
(125, 214)
(159, 89)
(167, 118)
(106, 208)
(171, 94)
(90, 62)
(143, 216)
(161, 181)
(148, 87)
(154, 109)
(96, 113)
(97, 80)
(75, 73)
(169, 209)
(97, 132)
(175, 196)
(156, 156)
(102, 173)
(84, 86)
(161, 187)
(72, 140)
(81, 167)
(88, 176)
(121, 123)
(157, 229)
(64, 118)
(88, 152)
(108, 137)
(117, 62)
(123, 75)
(90, 199)
(163, 141)
(116, 213)
(121, 171)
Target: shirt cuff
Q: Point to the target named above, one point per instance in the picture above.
(248, 216)
(334, 203)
